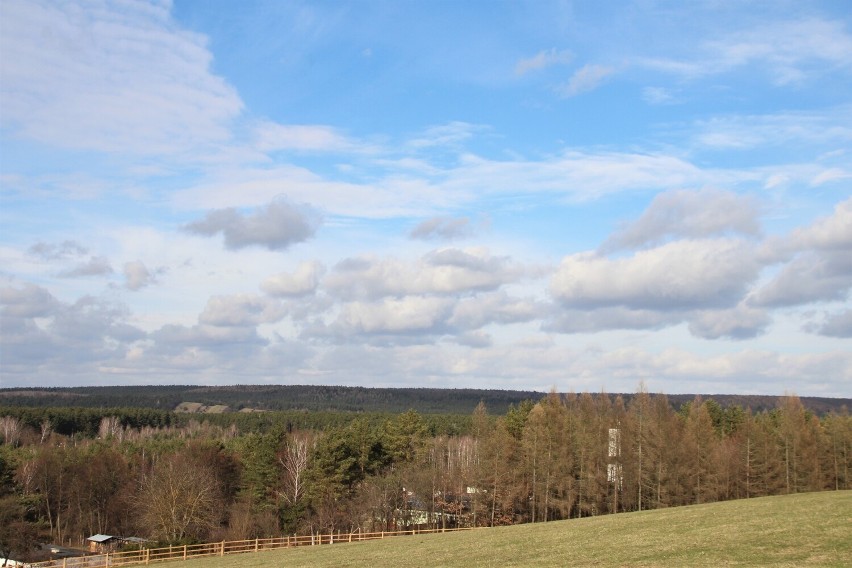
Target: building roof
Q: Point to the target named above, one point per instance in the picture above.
(101, 537)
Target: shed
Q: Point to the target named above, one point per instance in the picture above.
(104, 542)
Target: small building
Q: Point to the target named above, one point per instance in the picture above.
(104, 543)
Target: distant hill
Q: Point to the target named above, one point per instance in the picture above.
(335, 398)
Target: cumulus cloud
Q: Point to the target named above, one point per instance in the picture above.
(95, 266)
(741, 322)
(63, 250)
(601, 319)
(810, 277)
(443, 271)
(835, 325)
(475, 339)
(239, 342)
(587, 78)
(446, 228)
(821, 265)
(685, 274)
(241, 310)
(137, 275)
(496, 307)
(27, 301)
(543, 59)
(831, 233)
(408, 315)
(70, 252)
(304, 281)
(37, 330)
(693, 214)
(276, 226)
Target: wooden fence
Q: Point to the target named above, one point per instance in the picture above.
(147, 556)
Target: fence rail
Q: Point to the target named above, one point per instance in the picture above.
(146, 556)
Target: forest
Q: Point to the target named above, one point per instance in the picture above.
(68, 473)
(332, 398)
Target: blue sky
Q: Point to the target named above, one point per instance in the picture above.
(518, 195)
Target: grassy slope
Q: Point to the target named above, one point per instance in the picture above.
(812, 529)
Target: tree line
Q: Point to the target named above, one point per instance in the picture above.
(323, 398)
(560, 457)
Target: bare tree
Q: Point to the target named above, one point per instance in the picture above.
(180, 500)
(294, 461)
(46, 429)
(10, 428)
(110, 428)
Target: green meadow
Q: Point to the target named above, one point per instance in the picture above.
(812, 529)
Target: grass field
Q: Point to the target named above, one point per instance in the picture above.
(812, 529)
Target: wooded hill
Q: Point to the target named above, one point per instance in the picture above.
(339, 398)
(561, 457)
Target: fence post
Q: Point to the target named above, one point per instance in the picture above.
(255, 545)
(222, 551)
(147, 556)
(184, 552)
(107, 560)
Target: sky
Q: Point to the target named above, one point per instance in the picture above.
(586, 196)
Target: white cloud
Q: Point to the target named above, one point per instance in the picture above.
(810, 277)
(791, 52)
(787, 49)
(447, 135)
(304, 281)
(241, 310)
(95, 266)
(587, 78)
(694, 214)
(137, 275)
(831, 233)
(591, 320)
(28, 301)
(475, 339)
(741, 322)
(271, 136)
(775, 130)
(442, 228)
(38, 331)
(658, 96)
(821, 267)
(762, 371)
(239, 342)
(542, 60)
(835, 325)
(427, 192)
(678, 275)
(63, 250)
(276, 226)
(496, 307)
(443, 271)
(411, 314)
(830, 175)
(113, 77)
